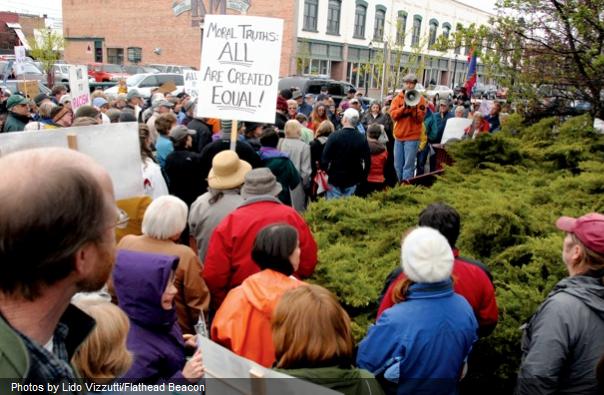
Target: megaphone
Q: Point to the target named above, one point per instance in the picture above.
(412, 98)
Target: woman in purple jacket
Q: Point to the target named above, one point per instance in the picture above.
(144, 285)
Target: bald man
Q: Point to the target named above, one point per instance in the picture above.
(57, 221)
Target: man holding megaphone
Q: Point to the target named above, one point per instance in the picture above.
(408, 110)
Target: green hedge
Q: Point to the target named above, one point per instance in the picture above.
(509, 189)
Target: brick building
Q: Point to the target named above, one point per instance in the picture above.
(342, 39)
(158, 31)
(17, 29)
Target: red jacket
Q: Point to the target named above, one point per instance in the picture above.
(376, 171)
(472, 283)
(229, 258)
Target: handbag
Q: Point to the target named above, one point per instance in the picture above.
(320, 181)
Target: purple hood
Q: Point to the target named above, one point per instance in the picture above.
(270, 152)
(154, 338)
(140, 280)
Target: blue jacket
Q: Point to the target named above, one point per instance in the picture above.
(428, 336)
(441, 122)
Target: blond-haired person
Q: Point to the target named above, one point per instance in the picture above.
(313, 341)
(299, 154)
(103, 357)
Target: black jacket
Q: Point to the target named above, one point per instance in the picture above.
(346, 157)
(243, 149)
(183, 169)
(203, 136)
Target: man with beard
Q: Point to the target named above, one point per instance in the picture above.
(56, 239)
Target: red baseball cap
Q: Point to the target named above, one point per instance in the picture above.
(589, 229)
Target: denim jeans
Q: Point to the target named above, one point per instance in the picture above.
(405, 153)
(336, 192)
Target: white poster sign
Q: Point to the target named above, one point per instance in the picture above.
(454, 129)
(19, 54)
(114, 146)
(227, 371)
(240, 67)
(78, 85)
(191, 80)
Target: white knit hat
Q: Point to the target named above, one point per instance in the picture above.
(426, 256)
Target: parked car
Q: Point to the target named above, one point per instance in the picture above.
(484, 91)
(336, 89)
(561, 100)
(135, 69)
(439, 92)
(502, 93)
(170, 68)
(145, 83)
(29, 71)
(102, 72)
(13, 86)
(61, 73)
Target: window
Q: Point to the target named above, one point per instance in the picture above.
(115, 55)
(317, 67)
(446, 30)
(177, 79)
(417, 25)
(148, 82)
(401, 27)
(380, 18)
(98, 51)
(135, 54)
(311, 8)
(432, 35)
(333, 16)
(360, 15)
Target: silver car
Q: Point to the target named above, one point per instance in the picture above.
(28, 72)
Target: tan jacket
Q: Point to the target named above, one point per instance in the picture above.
(193, 295)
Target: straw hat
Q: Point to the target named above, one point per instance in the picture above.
(228, 171)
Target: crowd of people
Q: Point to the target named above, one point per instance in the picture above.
(223, 251)
(396, 145)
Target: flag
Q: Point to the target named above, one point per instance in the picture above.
(471, 78)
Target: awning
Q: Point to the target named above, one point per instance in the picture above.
(22, 39)
(17, 28)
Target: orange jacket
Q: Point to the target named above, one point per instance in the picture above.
(408, 121)
(243, 321)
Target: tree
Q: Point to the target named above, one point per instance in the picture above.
(46, 49)
(562, 42)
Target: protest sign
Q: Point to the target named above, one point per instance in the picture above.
(78, 85)
(454, 129)
(191, 79)
(239, 71)
(19, 54)
(226, 373)
(29, 87)
(114, 146)
(19, 60)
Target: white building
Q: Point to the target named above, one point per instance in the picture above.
(336, 37)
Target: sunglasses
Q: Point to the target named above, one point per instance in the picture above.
(122, 219)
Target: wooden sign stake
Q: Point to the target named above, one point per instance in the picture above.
(72, 141)
(234, 135)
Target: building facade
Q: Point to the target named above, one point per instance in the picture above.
(346, 39)
(158, 31)
(343, 39)
(18, 29)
